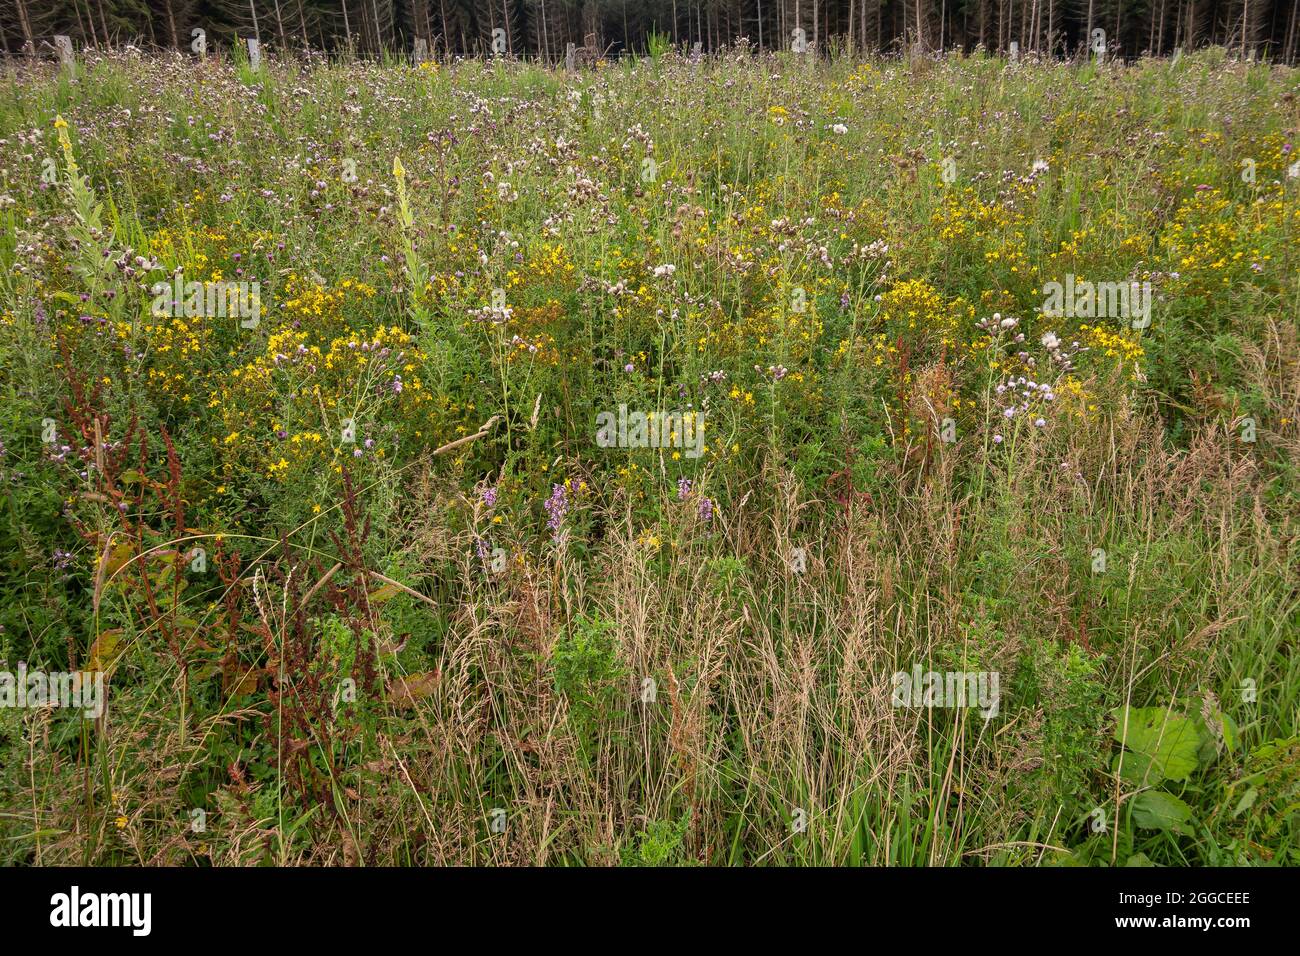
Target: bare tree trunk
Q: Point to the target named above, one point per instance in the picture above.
(94, 27)
(279, 23)
(1291, 34)
(546, 39)
(29, 42)
(103, 22)
(81, 24)
(171, 23)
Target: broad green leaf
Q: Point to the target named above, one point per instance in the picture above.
(1230, 736)
(1214, 727)
(118, 558)
(1271, 749)
(1068, 859)
(1246, 802)
(383, 593)
(104, 652)
(1135, 769)
(1170, 740)
(203, 671)
(240, 681)
(1155, 810)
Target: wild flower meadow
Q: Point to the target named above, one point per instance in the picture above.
(683, 460)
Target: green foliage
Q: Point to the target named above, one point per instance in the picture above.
(1065, 686)
(1160, 745)
(797, 271)
(657, 44)
(659, 844)
(588, 672)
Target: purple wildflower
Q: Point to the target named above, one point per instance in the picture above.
(556, 507)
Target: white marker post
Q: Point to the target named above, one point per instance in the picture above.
(63, 44)
(1099, 43)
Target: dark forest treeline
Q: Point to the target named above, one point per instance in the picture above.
(543, 28)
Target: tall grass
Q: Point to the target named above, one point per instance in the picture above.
(468, 634)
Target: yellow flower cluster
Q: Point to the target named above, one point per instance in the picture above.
(1119, 344)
